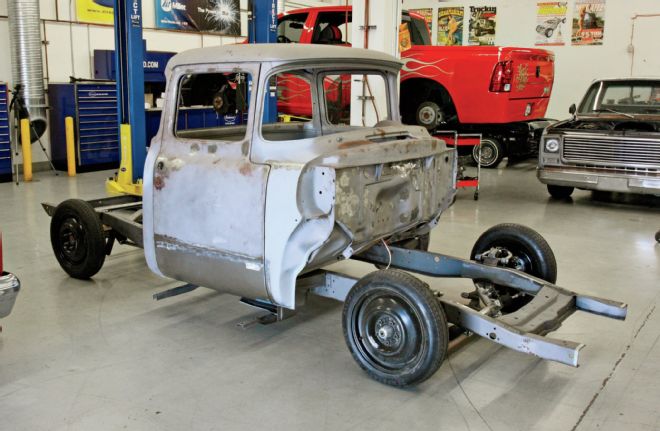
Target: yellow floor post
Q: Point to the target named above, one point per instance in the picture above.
(26, 144)
(70, 147)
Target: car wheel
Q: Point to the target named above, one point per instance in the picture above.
(560, 192)
(429, 115)
(530, 252)
(77, 238)
(492, 153)
(395, 328)
(549, 32)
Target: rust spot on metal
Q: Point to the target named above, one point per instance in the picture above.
(159, 183)
(246, 169)
(352, 144)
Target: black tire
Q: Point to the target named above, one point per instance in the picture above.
(395, 328)
(549, 32)
(657, 236)
(429, 115)
(77, 237)
(492, 153)
(532, 255)
(560, 192)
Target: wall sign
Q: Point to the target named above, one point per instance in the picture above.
(450, 26)
(95, 11)
(217, 16)
(551, 23)
(482, 25)
(588, 22)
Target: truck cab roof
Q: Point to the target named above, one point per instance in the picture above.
(285, 53)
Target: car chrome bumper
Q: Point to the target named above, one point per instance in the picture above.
(598, 180)
(9, 287)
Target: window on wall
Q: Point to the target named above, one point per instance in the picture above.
(213, 106)
(290, 28)
(288, 107)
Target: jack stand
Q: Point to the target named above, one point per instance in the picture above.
(122, 183)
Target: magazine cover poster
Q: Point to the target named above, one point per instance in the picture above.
(588, 22)
(482, 25)
(217, 16)
(95, 12)
(551, 23)
(427, 13)
(450, 26)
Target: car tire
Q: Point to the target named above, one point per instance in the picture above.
(560, 192)
(549, 32)
(429, 115)
(532, 255)
(77, 238)
(492, 153)
(395, 328)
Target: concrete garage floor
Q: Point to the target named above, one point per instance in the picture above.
(102, 355)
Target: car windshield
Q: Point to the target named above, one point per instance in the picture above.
(625, 97)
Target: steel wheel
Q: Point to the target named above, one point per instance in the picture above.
(73, 241)
(395, 328)
(389, 329)
(77, 238)
(492, 153)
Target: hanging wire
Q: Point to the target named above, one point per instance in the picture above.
(389, 254)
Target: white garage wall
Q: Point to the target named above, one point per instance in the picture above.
(576, 66)
(59, 34)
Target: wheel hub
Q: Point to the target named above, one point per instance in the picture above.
(388, 331)
(427, 115)
(71, 238)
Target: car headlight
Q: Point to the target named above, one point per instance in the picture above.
(552, 145)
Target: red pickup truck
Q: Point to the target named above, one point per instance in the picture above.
(500, 92)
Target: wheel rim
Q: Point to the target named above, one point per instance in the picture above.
(387, 331)
(488, 153)
(72, 238)
(428, 116)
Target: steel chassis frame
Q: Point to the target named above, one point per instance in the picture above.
(522, 330)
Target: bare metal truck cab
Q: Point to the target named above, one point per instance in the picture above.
(258, 203)
(247, 208)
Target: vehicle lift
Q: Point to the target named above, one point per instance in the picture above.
(129, 54)
(120, 219)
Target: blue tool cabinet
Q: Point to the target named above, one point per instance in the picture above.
(93, 106)
(5, 148)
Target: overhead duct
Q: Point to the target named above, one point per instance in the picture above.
(26, 63)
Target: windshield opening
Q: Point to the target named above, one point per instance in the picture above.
(627, 97)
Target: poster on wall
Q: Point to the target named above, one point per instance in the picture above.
(95, 11)
(426, 12)
(450, 26)
(588, 22)
(482, 25)
(550, 23)
(217, 16)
